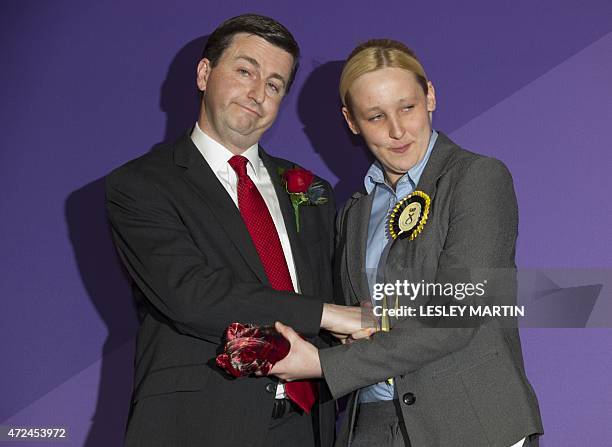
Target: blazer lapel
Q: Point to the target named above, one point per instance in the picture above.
(437, 165)
(358, 220)
(402, 251)
(298, 250)
(221, 205)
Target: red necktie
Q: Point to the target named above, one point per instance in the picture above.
(260, 225)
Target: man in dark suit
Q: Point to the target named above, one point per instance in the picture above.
(207, 232)
(430, 381)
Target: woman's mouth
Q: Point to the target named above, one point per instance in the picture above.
(399, 149)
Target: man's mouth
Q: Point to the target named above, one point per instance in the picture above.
(248, 109)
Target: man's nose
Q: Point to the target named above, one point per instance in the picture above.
(258, 91)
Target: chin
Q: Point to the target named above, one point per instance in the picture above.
(404, 167)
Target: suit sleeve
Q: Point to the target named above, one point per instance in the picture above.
(482, 234)
(173, 273)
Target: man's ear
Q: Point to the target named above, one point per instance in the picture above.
(202, 73)
(431, 97)
(349, 120)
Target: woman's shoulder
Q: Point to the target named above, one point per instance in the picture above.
(466, 163)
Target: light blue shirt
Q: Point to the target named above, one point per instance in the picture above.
(385, 198)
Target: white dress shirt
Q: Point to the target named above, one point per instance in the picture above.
(217, 156)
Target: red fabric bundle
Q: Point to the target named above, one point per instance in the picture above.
(249, 349)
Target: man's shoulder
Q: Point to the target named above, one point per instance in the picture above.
(282, 162)
(155, 162)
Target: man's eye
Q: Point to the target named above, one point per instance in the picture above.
(273, 87)
(408, 107)
(244, 72)
(375, 117)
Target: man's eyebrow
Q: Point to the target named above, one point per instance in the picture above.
(250, 60)
(256, 64)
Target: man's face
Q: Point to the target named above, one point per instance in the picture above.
(393, 114)
(242, 93)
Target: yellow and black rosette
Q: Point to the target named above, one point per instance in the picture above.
(409, 216)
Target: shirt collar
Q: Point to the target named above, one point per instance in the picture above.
(376, 175)
(217, 155)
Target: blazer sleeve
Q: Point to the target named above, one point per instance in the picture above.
(173, 273)
(482, 234)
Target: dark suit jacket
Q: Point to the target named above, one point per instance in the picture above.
(458, 384)
(195, 270)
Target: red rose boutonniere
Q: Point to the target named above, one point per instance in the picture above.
(302, 190)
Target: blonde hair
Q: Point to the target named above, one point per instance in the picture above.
(374, 55)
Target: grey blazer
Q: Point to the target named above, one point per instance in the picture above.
(457, 386)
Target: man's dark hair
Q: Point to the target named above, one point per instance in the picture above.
(261, 26)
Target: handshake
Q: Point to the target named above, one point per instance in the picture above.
(280, 351)
(349, 323)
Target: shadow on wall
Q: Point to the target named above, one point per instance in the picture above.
(109, 292)
(319, 110)
(180, 97)
(100, 269)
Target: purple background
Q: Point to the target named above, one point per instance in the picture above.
(88, 86)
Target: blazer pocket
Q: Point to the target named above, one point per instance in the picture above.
(171, 380)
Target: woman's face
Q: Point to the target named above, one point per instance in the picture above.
(393, 114)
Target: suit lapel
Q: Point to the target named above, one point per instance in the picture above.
(221, 205)
(298, 249)
(358, 220)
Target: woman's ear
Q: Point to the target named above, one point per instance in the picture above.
(431, 97)
(349, 120)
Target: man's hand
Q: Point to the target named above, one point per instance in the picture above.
(346, 320)
(302, 362)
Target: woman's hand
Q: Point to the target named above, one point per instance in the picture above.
(359, 335)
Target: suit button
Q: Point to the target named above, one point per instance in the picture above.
(271, 388)
(409, 398)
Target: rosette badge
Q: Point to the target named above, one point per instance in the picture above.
(409, 216)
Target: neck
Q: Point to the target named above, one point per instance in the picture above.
(235, 147)
(392, 179)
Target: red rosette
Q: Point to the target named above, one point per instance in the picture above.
(251, 349)
(223, 362)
